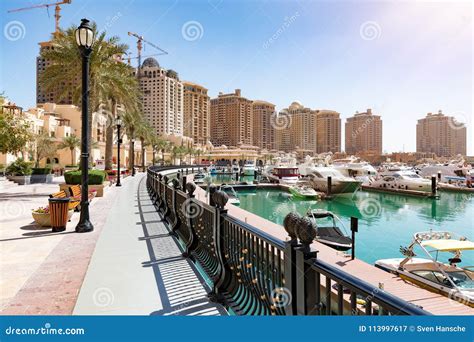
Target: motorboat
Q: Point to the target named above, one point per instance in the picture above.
(212, 169)
(283, 171)
(303, 191)
(199, 178)
(329, 234)
(248, 169)
(235, 169)
(403, 180)
(452, 172)
(389, 168)
(230, 191)
(449, 278)
(356, 168)
(340, 184)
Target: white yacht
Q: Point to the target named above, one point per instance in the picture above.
(391, 167)
(283, 171)
(403, 180)
(340, 184)
(356, 168)
(249, 169)
(451, 172)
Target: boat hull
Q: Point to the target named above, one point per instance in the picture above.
(337, 187)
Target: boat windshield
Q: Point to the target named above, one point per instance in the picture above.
(462, 280)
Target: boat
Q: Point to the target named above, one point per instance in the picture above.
(249, 169)
(389, 168)
(213, 170)
(303, 191)
(452, 172)
(234, 169)
(356, 168)
(329, 235)
(230, 191)
(340, 184)
(284, 171)
(449, 279)
(199, 178)
(403, 180)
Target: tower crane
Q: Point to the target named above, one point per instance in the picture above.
(57, 10)
(140, 41)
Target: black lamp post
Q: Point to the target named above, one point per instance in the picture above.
(119, 141)
(133, 156)
(85, 39)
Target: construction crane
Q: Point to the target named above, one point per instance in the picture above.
(140, 41)
(57, 11)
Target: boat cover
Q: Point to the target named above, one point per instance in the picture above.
(448, 245)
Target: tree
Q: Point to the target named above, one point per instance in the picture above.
(71, 142)
(45, 147)
(15, 133)
(110, 81)
(146, 135)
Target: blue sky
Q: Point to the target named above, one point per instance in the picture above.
(402, 59)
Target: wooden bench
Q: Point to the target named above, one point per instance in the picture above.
(73, 203)
(75, 192)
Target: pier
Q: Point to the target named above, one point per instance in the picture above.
(243, 254)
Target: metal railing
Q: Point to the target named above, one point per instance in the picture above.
(254, 273)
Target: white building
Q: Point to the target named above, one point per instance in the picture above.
(162, 98)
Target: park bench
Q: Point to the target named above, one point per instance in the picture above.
(75, 192)
(73, 203)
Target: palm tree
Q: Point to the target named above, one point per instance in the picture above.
(71, 142)
(145, 133)
(108, 80)
(131, 121)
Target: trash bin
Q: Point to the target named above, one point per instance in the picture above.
(58, 208)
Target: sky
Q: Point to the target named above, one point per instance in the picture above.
(402, 59)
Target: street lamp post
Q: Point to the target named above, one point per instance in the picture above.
(133, 156)
(119, 141)
(85, 39)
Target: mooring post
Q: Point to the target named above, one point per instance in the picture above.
(328, 192)
(354, 230)
(433, 186)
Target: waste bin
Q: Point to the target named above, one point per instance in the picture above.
(58, 208)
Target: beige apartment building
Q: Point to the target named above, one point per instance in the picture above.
(328, 131)
(441, 134)
(263, 130)
(42, 96)
(162, 98)
(196, 113)
(296, 129)
(231, 120)
(364, 133)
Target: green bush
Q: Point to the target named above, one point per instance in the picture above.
(41, 170)
(19, 168)
(96, 177)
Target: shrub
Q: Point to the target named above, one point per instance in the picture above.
(41, 170)
(95, 177)
(19, 168)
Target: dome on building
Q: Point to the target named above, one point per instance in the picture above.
(296, 105)
(150, 62)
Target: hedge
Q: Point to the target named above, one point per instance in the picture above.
(96, 177)
(41, 171)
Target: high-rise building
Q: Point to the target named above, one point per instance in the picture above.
(364, 133)
(42, 96)
(263, 130)
(441, 134)
(162, 98)
(296, 128)
(231, 120)
(196, 113)
(328, 131)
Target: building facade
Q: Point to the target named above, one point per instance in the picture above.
(328, 131)
(263, 130)
(296, 129)
(441, 134)
(364, 133)
(43, 96)
(196, 113)
(162, 98)
(231, 120)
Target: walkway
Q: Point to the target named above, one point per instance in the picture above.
(137, 268)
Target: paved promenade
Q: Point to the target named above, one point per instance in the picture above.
(128, 265)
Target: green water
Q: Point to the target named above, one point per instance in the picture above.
(386, 221)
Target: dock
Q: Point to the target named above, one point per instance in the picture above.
(400, 191)
(453, 188)
(434, 303)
